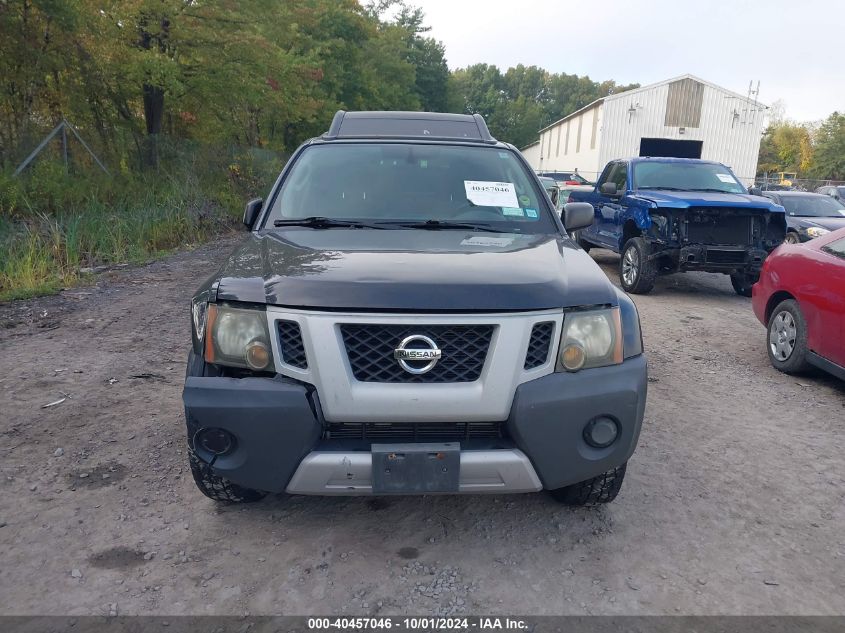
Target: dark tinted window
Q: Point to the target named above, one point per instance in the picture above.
(813, 206)
(836, 248)
(410, 182)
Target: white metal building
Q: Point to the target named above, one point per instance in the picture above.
(683, 117)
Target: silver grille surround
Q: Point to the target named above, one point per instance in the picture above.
(343, 398)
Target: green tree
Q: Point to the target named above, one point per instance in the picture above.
(786, 146)
(829, 151)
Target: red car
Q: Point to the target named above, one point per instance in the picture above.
(800, 298)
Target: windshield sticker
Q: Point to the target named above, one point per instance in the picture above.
(513, 211)
(501, 242)
(531, 213)
(484, 193)
(726, 178)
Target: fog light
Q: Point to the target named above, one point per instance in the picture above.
(572, 357)
(257, 355)
(601, 432)
(215, 441)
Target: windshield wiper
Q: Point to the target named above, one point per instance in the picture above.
(320, 222)
(717, 191)
(663, 188)
(444, 224)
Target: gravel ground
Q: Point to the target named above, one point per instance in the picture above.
(733, 503)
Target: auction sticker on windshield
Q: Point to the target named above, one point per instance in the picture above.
(484, 193)
(725, 178)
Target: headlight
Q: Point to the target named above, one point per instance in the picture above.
(237, 337)
(816, 231)
(590, 339)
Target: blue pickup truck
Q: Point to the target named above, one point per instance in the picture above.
(667, 215)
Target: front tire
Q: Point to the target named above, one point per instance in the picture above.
(792, 238)
(636, 271)
(742, 283)
(218, 488)
(786, 342)
(601, 489)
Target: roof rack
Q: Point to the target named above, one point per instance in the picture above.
(393, 125)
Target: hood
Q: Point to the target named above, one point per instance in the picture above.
(412, 270)
(831, 224)
(684, 199)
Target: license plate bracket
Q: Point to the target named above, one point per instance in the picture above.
(416, 468)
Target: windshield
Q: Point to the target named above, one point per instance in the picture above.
(686, 177)
(384, 183)
(813, 206)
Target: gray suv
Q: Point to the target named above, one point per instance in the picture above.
(409, 315)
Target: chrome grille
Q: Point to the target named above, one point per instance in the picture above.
(414, 432)
(539, 344)
(370, 348)
(290, 340)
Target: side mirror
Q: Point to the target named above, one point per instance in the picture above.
(608, 188)
(755, 191)
(253, 208)
(577, 215)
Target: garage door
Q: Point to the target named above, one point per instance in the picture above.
(670, 147)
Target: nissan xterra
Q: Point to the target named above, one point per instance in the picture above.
(409, 316)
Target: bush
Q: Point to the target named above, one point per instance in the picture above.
(53, 224)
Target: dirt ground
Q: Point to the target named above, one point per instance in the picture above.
(733, 503)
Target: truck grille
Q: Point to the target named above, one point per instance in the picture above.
(370, 348)
(538, 346)
(290, 340)
(414, 432)
(712, 225)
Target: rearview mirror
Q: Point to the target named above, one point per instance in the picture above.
(577, 215)
(608, 188)
(253, 208)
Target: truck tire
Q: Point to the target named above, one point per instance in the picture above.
(792, 238)
(636, 272)
(601, 489)
(218, 488)
(742, 283)
(786, 338)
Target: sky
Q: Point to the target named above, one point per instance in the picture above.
(796, 50)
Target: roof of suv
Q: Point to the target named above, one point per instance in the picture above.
(409, 125)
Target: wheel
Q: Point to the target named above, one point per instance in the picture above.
(792, 238)
(742, 283)
(787, 338)
(601, 489)
(636, 271)
(576, 235)
(218, 488)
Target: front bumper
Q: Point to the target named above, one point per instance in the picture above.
(277, 425)
(709, 258)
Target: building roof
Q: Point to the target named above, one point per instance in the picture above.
(628, 93)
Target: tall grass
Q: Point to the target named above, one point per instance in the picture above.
(52, 225)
